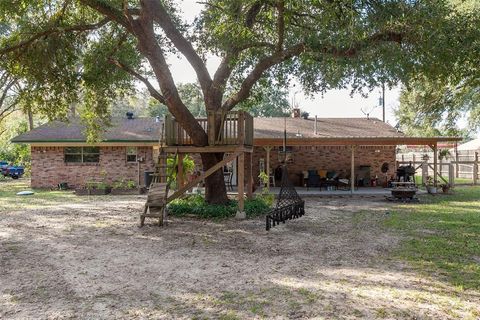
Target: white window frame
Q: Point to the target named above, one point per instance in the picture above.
(127, 149)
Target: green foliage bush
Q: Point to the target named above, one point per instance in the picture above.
(172, 163)
(197, 205)
(124, 184)
(18, 154)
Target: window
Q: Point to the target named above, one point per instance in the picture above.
(82, 154)
(131, 154)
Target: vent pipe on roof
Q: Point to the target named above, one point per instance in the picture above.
(315, 126)
(129, 115)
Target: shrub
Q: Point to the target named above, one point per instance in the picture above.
(256, 207)
(196, 205)
(124, 184)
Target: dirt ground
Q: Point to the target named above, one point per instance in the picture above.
(90, 260)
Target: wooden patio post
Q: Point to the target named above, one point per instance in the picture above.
(352, 170)
(180, 177)
(475, 169)
(249, 162)
(451, 176)
(241, 185)
(456, 161)
(435, 164)
(424, 172)
(267, 166)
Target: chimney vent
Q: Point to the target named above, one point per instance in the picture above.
(129, 115)
(315, 128)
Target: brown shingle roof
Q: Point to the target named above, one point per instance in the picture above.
(148, 130)
(122, 130)
(326, 127)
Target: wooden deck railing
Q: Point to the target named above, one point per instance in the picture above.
(236, 128)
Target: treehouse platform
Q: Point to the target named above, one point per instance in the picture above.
(230, 133)
(227, 132)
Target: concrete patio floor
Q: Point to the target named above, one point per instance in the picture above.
(316, 192)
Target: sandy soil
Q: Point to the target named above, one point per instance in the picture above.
(90, 260)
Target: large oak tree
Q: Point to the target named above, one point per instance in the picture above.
(93, 49)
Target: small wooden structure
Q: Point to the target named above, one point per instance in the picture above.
(234, 138)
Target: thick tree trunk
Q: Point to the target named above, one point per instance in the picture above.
(215, 190)
(30, 118)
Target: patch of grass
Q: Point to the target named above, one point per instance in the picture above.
(443, 233)
(229, 316)
(310, 296)
(197, 205)
(381, 313)
(418, 180)
(10, 201)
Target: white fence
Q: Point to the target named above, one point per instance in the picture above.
(459, 169)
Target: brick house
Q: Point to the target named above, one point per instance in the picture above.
(60, 154)
(128, 148)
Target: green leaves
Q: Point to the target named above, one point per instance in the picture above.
(432, 108)
(62, 51)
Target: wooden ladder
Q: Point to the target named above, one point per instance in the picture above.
(157, 192)
(157, 196)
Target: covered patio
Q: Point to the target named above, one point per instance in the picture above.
(354, 146)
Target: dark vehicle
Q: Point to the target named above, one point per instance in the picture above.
(14, 172)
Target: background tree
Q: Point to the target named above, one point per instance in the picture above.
(267, 101)
(9, 96)
(94, 48)
(434, 108)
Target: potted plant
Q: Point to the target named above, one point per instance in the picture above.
(446, 187)
(100, 188)
(430, 185)
(93, 188)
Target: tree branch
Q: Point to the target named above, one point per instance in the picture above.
(46, 33)
(280, 24)
(5, 92)
(109, 11)
(279, 57)
(154, 92)
(252, 13)
(161, 16)
(9, 109)
(149, 47)
(225, 69)
(257, 72)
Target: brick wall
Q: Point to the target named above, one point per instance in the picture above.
(49, 167)
(330, 158)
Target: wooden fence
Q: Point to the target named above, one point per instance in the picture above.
(446, 170)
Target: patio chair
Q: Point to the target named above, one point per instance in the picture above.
(345, 183)
(313, 180)
(330, 180)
